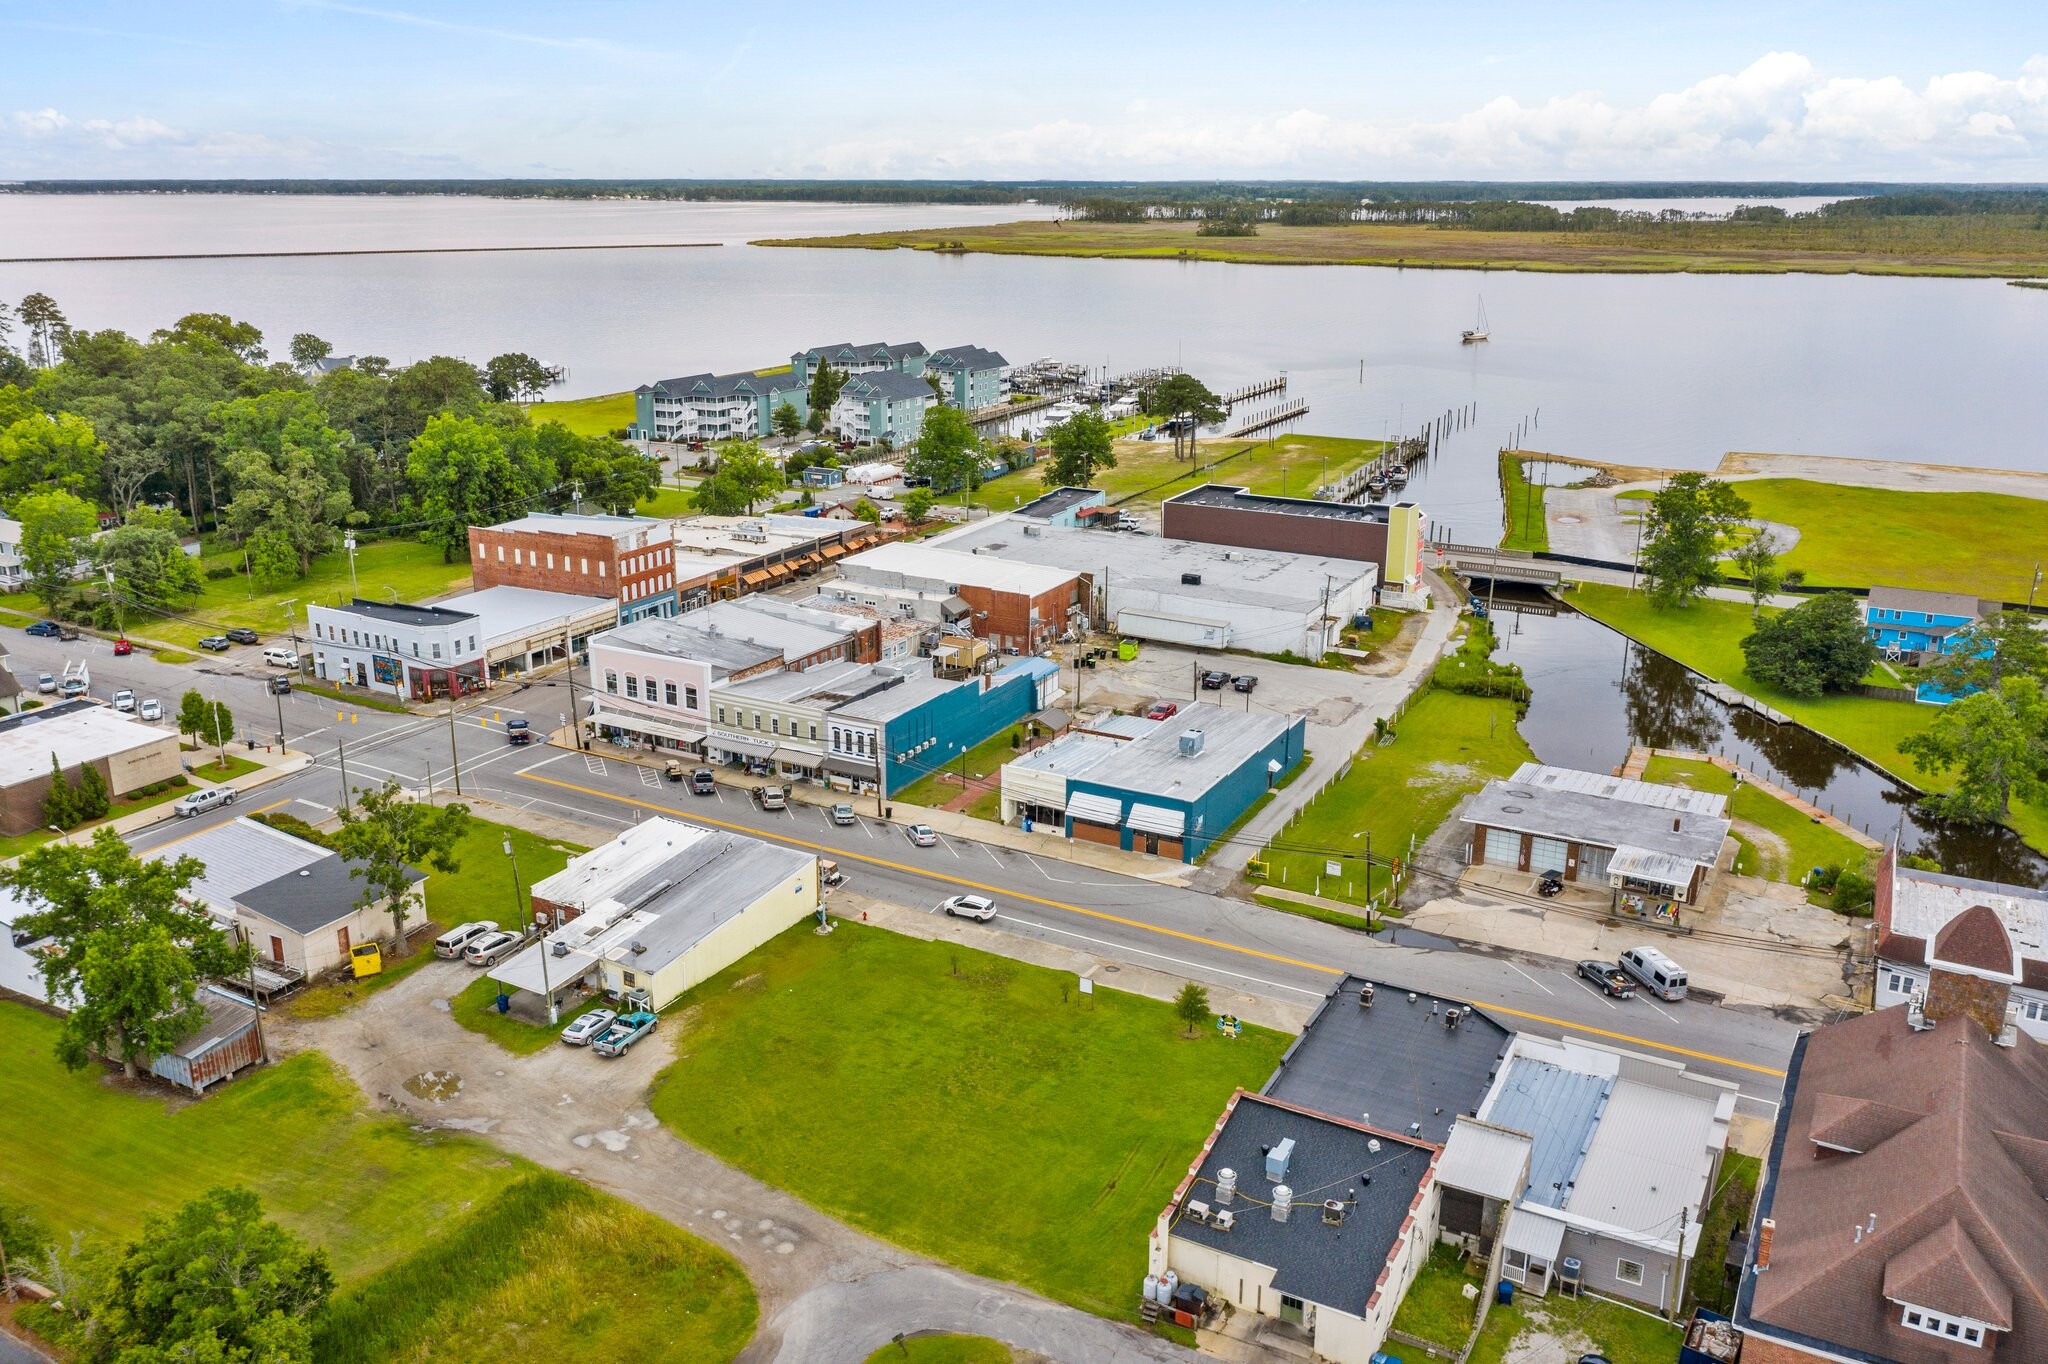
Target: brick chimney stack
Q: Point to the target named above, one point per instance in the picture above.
(1971, 971)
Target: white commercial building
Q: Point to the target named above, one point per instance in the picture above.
(454, 646)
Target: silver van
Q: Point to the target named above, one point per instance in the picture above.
(1660, 975)
(451, 943)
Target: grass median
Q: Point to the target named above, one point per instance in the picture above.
(963, 1105)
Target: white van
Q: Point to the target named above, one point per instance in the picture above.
(1660, 975)
(451, 943)
(281, 658)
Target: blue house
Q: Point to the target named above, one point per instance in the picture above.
(972, 377)
(1917, 626)
(882, 406)
(930, 721)
(1067, 508)
(1173, 791)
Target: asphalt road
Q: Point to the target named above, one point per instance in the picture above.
(1217, 939)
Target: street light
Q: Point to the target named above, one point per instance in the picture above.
(349, 543)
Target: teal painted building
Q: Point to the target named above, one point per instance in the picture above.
(972, 377)
(716, 407)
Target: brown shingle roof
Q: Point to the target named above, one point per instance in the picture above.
(1969, 1154)
(1977, 939)
(1857, 1124)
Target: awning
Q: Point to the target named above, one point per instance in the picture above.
(780, 570)
(634, 724)
(850, 767)
(1096, 809)
(523, 971)
(1535, 1235)
(1664, 869)
(1156, 819)
(752, 748)
(755, 578)
(797, 757)
(834, 551)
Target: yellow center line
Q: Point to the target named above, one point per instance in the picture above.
(829, 851)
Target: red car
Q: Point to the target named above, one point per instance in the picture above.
(122, 646)
(1162, 710)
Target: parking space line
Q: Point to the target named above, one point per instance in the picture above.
(1531, 979)
(945, 843)
(1600, 995)
(991, 853)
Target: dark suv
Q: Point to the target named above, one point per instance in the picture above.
(242, 634)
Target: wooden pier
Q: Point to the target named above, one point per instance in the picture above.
(1258, 390)
(1267, 417)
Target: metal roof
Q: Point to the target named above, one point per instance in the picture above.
(1483, 1159)
(1535, 1235)
(1658, 794)
(1560, 1109)
(509, 614)
(1069, 755)
(239, 856)
(735, 635)
(1602, 820)
(594, 523)
(1152, 764)
(945, 569)
(1095, 809)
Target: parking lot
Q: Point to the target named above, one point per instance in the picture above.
(1333, 702)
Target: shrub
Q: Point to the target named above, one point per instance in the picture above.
(181, 780)
(296, 827)
(221, 572)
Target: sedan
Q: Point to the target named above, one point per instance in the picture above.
(490, 949)
(46, 682)
(1162, 710)
(122, 648)
(923, 835)
(46, 628)
(242, 634)
(152, 709)
(588, 1028)
(217, 643)
(1608, 978)
(1215, 681)
(1244, 682)
(976, 907)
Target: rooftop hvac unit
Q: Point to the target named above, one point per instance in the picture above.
(1277, 1158)
(1198, 1210)
(1190, 742)
(1568, 1275)
(1223, 1220)
(1031, 530)
(1226, 1186)
(1191, 580)
(1333, 1212)
(1283, 1203)
(1232, 556)
(638, 948)
(561, 949)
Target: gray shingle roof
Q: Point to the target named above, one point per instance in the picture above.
(746, 383)
(965, 358)
(316, 895)
(887, 383)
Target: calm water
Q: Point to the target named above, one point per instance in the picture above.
(1669, 370)
(1597, 692)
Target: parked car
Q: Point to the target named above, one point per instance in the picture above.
(624, 1032)
(842, 813)
(771, 798)
(1244, 682)
(242, 634)
(281, 685)
(1162, 710)
(122, 648)
(152, 709)
(282, 656)
(73, 687)
(703, 782)
(976, 907)
(588, 1028)
(124, 701)
(46, 682)
(451, 943)
(923, 835)
(518, 732)
(1610, 979)
(46, 628)
(490, 949)
(214, 642)
(1215, 681)
(67, 632)
(199, 802)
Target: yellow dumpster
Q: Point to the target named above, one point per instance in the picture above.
(367, 960)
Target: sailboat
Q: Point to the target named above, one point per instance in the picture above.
(1478, 333)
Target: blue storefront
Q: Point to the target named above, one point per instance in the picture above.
(1174, 791)
(945, 724)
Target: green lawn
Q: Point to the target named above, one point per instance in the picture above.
(944, 1350)
(1624, 1336)
(1985, 544)
(1807, 844)
(1436, 1307)
(352, 696)
(1522, 514)
(172, 656)
(963, 1105)
(483, 888)
(599, 416)
(985, 759)
(1707, 637)
(207, 766)
(410, 569)
(441, 1242)
(326, 1000)
(476, 1008)
(1730, 1208)
(668, 501)
(1446, 747)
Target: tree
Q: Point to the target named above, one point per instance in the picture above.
(867, 511)
(744, 474)
(386, 835)
(60, 802)
(465, 473)
(127, 948)
(1689, 520)
(285, 463)
(1997, 743)
(240, 339)
(39, 453)
(1981, 655)
(609, 472)
(309, 350)
(1191, 1007)
(1817, 646)
(95, 801)
(947, 452)
(825, 385)
(1185, 400)
(515, 375)
(1757, 560)
(1080, 446)
(439, 386)
(193, 715)
(24, 1236)
(786, 420)
(56, 536)
(216, 725)
(147, 558)
(917, 505)
(47, 330)
(273, 563)
(213, 1283)
(936, 385)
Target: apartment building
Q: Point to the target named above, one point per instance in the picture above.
(630, 558)
(716, 407)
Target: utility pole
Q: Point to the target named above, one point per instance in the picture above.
(341, 755)
(278, 697)
(569, 653)
(2033, 587)
(242, 932)
(349, 543)
(882, 771)
(519, 897)
(454, 757)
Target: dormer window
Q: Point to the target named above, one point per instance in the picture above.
(1940, 1324)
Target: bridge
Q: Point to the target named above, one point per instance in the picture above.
(1483, 563)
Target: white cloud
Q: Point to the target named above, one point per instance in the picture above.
(49, 144)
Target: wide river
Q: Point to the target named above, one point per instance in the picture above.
(1658, 369)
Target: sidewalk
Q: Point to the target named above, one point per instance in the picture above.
(272, 766)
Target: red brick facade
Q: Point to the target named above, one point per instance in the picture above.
(1004, 618)
(582, 563)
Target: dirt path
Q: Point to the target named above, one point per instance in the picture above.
(828, 1293)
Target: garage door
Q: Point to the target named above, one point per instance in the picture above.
(1503, 848)
(1547, 854)
(1593, 862)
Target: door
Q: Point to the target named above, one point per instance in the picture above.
(341, 940)
(276, 948)
(1593, 862)
(1503, 848)
(1291, 1310)
(1547, 854)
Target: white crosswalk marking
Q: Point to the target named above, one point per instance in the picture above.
(594, 763)
(648, 776)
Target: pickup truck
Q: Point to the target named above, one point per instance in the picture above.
(628, 1029)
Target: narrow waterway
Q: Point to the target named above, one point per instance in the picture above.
(1598, 692)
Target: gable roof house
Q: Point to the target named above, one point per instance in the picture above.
(972, 377)
(716, 407)
(1928, 920)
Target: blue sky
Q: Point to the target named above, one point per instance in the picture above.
(1572, 89)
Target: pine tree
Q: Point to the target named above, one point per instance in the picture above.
(60, 806)
(95, 801)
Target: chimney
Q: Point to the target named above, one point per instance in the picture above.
(1765, 1230)
(1952, 994)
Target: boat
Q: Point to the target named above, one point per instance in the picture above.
(1478, 333)
(1399, 478)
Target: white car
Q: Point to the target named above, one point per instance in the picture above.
(588, 1028)
(199, 802)
(490, 949)
(976, 907)
(152, 709)
(124, 701)
(923, 835)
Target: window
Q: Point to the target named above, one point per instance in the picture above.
(632, 686)
(600, 568)
(585, 570)
(650, 689)
(501, 554)
(668, 692)
(2035, 1011)
(437, 650)
(1518, 1262)
(1628, 1271)
(1948, 1328)
(1898, 984)
(721, 715)
(690, 697)
(757, 720)
(611, 682)
(415, 648)
(551, 558)
(775, 724)
(814, 731)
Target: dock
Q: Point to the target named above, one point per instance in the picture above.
(1266, 418)
(1278, 384)
(1736, 700)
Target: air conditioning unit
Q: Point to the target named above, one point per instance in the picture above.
(1191, 579)
(1224, 1220)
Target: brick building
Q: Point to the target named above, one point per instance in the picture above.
(1388, 536)
(627, 558)
(1913, 909)
(1010, 604)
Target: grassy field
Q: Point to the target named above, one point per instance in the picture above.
(1730, 1208)
(1985, 544)
(1707, 637)
(985, 759)
(442, 1243)
(1981, 247)
(957, 1103)
(1621, 1334)
(1447, 746)
(410, 569)
(1522, 514)
(1797, 844)
(599, 416)
(1290, 465)
(484, 888)
(1436, 1307)
(945, 1350)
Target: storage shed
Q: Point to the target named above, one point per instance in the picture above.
(228, 1041)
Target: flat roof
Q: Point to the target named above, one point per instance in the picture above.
(77, 732)
(399, 613)
(516, 613)
(907, 565)
(1224, 495)
(1335, 1266)
(1257, 578)
(1051, 504)
(679, 637)
(1073, 754)
(1152, 764)
(322, 892)
(1604, 821)
(593, 523)
(1397, 1061)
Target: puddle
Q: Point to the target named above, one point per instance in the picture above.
(435, 1086)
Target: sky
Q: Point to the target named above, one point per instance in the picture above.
(1570, 89)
